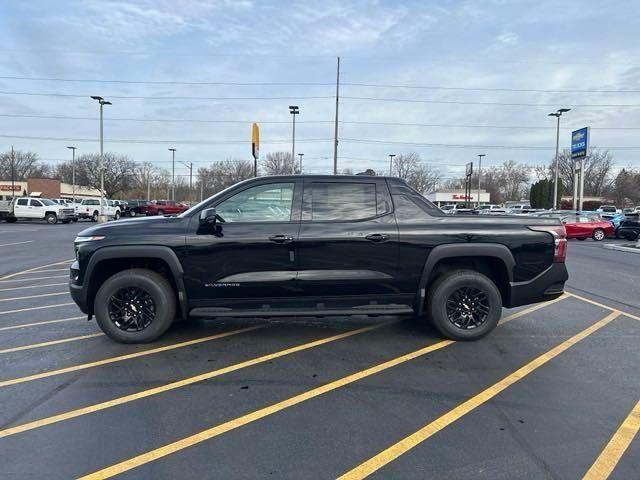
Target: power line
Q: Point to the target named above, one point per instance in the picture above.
(284, 122)
(143, 97)
(482, 89)
(158, 141)
(451, 145)
(508, 104)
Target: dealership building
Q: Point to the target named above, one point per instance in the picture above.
(45, 188)
(448, 197)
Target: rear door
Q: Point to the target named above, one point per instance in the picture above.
(21, 208)
(348, 242)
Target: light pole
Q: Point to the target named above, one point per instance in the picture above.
(73, 173)
(293, 110)
(190, 167)
(480, 155)
(173, 173)
(301, 155)
(557, 114)
(391, 164)
(102, 102)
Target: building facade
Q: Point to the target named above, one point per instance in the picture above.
(448, 197)
(45, 188)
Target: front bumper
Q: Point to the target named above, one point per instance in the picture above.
(546, 286)
(77, 291)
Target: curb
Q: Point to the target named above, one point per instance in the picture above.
(622, 248)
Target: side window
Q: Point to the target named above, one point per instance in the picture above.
(23, 202)
(262, 203)
(343, 201)
(35, 203)
(406, 210)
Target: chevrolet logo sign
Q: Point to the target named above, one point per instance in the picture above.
(577, 136)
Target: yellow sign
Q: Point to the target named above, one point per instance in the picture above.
(255, 141)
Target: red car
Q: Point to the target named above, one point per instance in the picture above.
(165, 207)
(587, 226)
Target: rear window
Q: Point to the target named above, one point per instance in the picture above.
(343, 201)
(22, 202)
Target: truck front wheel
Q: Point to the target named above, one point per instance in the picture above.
(464, 305)
(135, 306)
(51, 218)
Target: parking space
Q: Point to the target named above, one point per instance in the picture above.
(552, 393)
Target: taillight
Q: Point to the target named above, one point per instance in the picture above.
(559, 237)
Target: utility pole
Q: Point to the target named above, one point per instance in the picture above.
(557, 114)
(391, 164)
(73, 173)
(301, 155)
(173, 173)
(335, 133)
(102, 103)
(190, 167)
(479, 176)
(148, 183)
(13, 173)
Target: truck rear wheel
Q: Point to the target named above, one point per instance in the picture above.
(135, 306)
(464, 305)
(94, 217)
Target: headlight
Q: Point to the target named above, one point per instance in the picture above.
(88, 239)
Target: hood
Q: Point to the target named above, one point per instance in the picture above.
(139, 224)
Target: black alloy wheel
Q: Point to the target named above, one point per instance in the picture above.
(132, 309)
(468, 308)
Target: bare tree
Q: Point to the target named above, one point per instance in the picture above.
(405, 164)
(513, 180)
(220, 175)
(280, 163)
(423, 179)
(598, 167)
(25, 164)
(119, 172)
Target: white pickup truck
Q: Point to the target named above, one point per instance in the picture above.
(30, 208)
(90, 208)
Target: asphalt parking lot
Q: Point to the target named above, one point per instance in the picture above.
(554, 392)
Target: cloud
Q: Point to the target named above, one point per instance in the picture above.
(508, 38)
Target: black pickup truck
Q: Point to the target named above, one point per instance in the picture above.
(319, 246)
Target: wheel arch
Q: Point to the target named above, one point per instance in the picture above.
(492, 259)
(118, 258)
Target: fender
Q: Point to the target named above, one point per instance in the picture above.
(457, 250)
(143, 251)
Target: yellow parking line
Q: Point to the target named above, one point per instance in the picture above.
(45, 322)
(533, 308)
(49, 343)
(28, 270)
(258, 414)
(129, 356)
(182, 383)
(602, 305)
(18, 310)
(612, 453)
(15, 243)
(46, 271)
(32, 286)
(31, 279)
(34, 296)
(403, 446)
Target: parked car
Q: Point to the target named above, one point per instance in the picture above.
(315, 245)
(165, 207)
(615, 219)
(456, 208)
(608, 209)
(584, 226)
(90, 208)
(487, 209)
(30, 208)
(630, 227)
(135, 208)
(519, 208)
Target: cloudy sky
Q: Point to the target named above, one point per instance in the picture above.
(446, 79)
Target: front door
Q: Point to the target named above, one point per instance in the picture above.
(348, 242)
(249, 252)
(36, 209)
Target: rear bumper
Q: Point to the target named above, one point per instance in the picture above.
(546, 286)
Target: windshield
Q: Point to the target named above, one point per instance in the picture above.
(47, 202)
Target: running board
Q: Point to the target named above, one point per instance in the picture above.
(302, 312)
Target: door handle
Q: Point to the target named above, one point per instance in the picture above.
(377, 237)
(281, 239)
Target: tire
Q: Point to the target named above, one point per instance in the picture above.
(66, 221)
(94, 216)
(117, 215)
(132, 213)
(160, 212)
(51, 218)
(582, 239)
(155, 291)
(11, 219)
(455, 287)
(598, 235)
(75, 219)
(631, 236)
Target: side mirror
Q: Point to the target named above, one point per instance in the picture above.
(208, 215)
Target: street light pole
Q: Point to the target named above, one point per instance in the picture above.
(293, 110)
(557, 114)
(173, 173)
(391, 164)
(479, 175)
(13, 174)
(73, 173)
(102, 102)
(301, 155)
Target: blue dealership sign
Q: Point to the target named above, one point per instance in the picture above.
(579, 143)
